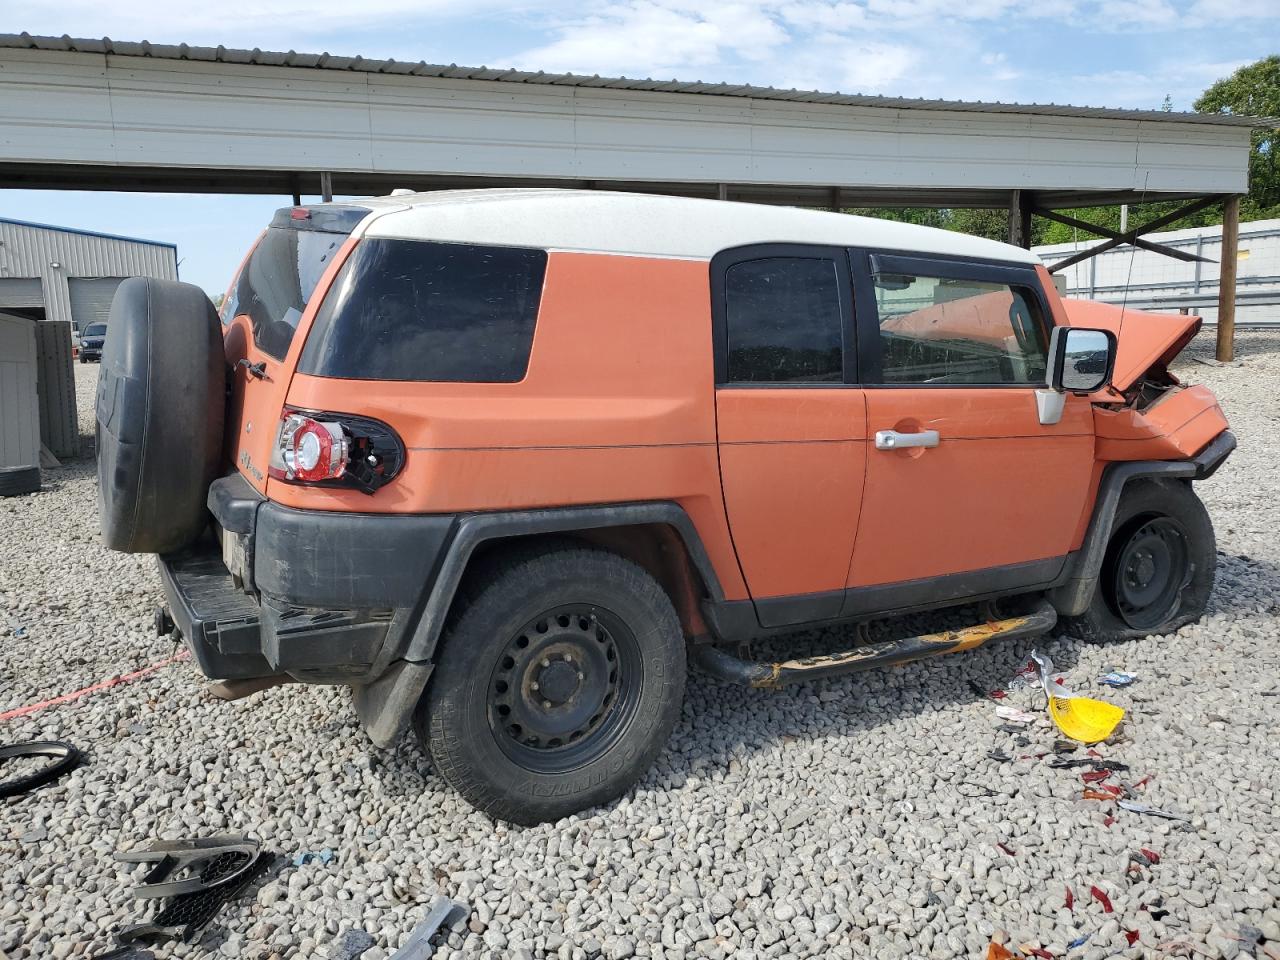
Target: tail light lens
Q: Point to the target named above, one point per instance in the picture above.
(335, 450)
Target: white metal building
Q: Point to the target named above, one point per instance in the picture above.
(1149, 281)
(55, 273)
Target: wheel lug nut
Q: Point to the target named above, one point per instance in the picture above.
(580, 675)
(534, 685)
(546, 704)
(568, 659)
(546, 662)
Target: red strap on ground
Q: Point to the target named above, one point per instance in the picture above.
(104, 685)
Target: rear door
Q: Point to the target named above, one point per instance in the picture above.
(791, 423)
(952, 354)
(272, 298)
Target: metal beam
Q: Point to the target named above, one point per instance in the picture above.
(1227, 279)
(1120, 235)
(1133, 235)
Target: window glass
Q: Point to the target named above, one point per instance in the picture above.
(416, 310)
(783, 320)
(276, 283)
(941, 330)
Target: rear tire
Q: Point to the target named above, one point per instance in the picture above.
(1159, 567)
(560, 676)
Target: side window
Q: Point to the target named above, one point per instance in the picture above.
(783, 321)
(426, 311)
(954, 331)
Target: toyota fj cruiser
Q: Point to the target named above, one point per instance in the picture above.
(504, 462)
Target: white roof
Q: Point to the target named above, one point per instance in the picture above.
(634, 224)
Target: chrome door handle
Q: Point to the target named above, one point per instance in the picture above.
(893, 440)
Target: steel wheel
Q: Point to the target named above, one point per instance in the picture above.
(1151, 569)
(565, 688)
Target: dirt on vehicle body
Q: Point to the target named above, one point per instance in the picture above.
(499, 460)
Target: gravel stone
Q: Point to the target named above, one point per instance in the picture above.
(856, 817)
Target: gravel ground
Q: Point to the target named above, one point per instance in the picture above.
(858, 817)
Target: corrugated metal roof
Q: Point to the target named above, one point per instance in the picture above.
(327, 61)
(86, 233)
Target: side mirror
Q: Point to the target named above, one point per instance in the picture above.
(1080, 361)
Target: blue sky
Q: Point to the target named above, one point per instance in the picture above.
(1125, 53)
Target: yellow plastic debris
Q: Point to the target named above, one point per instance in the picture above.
(1085, 719)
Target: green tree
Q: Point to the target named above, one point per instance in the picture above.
(1254, 90)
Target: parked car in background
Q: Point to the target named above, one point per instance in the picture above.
(504, 461)
(92, 338)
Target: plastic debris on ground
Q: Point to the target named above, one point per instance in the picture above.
(1117, 678)
(1078, 942)
(1005, 849)
(1134, 806)
(1102, 898)
(1080, 718)
(1014, 715)
(998, 951)
(441, 912)
(1132, 936)
(324, 856)
(1070, 902)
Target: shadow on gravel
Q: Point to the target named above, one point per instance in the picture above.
(720, 721)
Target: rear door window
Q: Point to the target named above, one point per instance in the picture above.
(277, 281)
(783, 321)
(426, 311)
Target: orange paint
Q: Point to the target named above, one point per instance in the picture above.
(999, 488)
(1177, 426)
(784, 485)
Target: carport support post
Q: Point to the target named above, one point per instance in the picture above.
(326, 186)
(1020, 219)
(1227, 279)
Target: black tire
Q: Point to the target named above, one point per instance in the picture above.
(160, 407)
(83, 360)
(1159, 567)
(15, 481)
(65, 759)
(575, 608)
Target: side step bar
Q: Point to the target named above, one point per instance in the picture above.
(760, 673)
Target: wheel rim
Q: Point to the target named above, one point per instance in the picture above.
(564, 688)
(1151, 569)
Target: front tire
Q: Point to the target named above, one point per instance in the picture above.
(559, 679)
(1159, 567)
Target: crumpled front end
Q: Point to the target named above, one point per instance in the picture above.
(1147, 414)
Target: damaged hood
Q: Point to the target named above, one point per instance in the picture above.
(1144, 339)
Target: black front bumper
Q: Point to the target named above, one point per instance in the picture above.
(325, 597)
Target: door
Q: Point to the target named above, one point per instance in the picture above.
(791, 426)
(91, 299)
(967, 492)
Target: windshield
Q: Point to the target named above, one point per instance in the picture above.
(96, 330)
(277, 281)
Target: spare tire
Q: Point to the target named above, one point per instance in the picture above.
(160, 406)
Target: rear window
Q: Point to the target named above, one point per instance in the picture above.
(277, 281)
(418, 310)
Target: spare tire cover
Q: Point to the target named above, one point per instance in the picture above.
(160, 406)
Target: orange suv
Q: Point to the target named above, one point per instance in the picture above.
(505, 461)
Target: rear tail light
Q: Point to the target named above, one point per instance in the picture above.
(335, 450)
